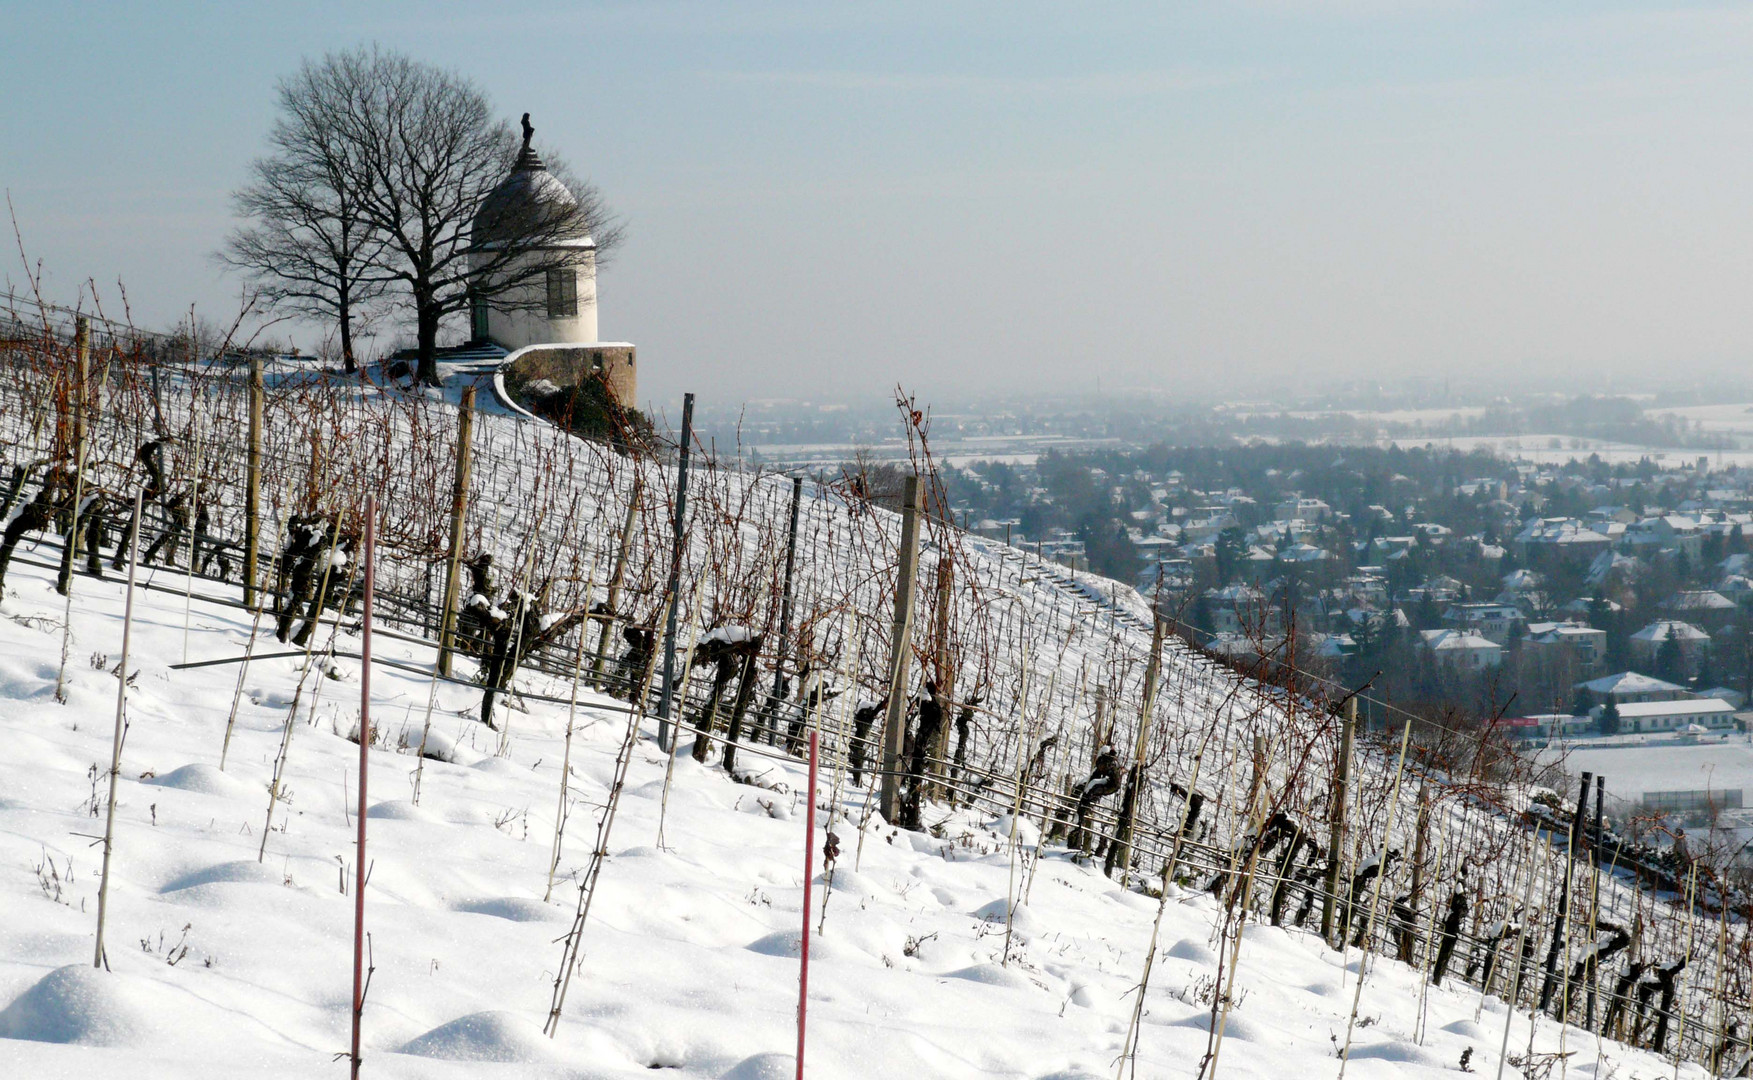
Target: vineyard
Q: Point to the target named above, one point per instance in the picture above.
(1047, 712)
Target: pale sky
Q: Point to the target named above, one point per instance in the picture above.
(825, 199)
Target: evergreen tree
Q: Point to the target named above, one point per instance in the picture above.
(1670, 660)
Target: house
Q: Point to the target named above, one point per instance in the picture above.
(1461, 650)
(1558, 540)
(545, 316)
(1646, 716)
(1613, 568)
(1306, 509)
(1497, 622)
(1727, 693)
(1647, 644)
(1630, 687)
(1235, 609)
(1583, 646)
(1669, 532)
(1705, 606)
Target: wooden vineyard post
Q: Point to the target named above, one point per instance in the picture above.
(81, 380)
(945, 676)
(1559, 945)
(679, 523)
(459, 512)
(252, 486)
(1336, 819)
(1420, 841)
(900, 651)
(70, 550)
(616, 576)
(1120, 855)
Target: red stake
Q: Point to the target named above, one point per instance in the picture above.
(364, 747)
(809, 873)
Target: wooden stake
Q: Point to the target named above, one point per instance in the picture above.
(1336, 820)
(109, 824)
(459, 512)
(615, 578)
(1134, 789)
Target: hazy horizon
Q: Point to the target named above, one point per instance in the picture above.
(1237, 201)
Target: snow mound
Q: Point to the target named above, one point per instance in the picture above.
(1028, 833)
(1398, 1051)
(80, 1004)
(240, 872)
(764, 1067)
(1188, 949)
(483, 1036)
(399, 810)
(993, 975)
(1088, 996)
(513, 908)
(439, 747)
(1022, 920)
(790, 943)
(201, 778)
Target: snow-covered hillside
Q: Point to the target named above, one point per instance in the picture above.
(226, 965)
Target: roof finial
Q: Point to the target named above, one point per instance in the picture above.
(528, 130)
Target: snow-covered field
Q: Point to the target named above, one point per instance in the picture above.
(224, 965)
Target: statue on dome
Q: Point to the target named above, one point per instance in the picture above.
(528, 130)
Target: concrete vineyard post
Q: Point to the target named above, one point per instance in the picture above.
(900, 651)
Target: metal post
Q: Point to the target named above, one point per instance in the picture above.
(252, 485)
(675, 582)
(364, 764)
(900, 650)
(109, 825)
(785, 609)
(459, 512)
(1336, 819)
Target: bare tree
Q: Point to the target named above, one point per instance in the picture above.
(305, 244)
(464, 214)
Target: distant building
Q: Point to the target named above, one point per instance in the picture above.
(1647, 716)
(1549, 541)
(1584, 646)
(1461, 650)
(1629, 687)
(1496, 622)
(1306, 509)
(1647, 644)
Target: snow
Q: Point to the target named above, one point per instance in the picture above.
(731, 634)
(223, 965)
